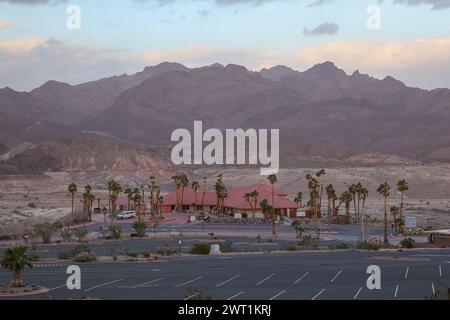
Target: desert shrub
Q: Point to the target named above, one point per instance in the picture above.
(80, 234)
(85, 257)
(342, 246)
(306, 240)
(167, 250)
(4, 237)
(66, 236)
(116, 231)
(45, 230)
(73, 252)
(140, 228)
(211, 235)
(200, 248)
(368, 246)
(347, 220)
(31, 205)
(291, 247)
(226, 247)
(408, 243)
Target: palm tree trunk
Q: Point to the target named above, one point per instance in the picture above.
(385, 222)
(73, 199)
(401, 207)
(17, 281)
(273, 211)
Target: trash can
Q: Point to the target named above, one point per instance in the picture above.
(214, 250)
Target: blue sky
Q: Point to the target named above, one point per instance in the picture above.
(126, 35)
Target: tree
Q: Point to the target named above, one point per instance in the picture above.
(385, 190)
(15, 259)
(221, 194)
(137, 198)
(129, 193)
(177, 181)
(346, 198)
(364, 194)
(204, 192)
(394, 211)
(298, 228)
(46, 230)
(402, 187)
(72, 189)
(184, 180)
(273, 180)
(254, 195)
(331, 196)
(299, 199)
(115, 189)
(265, 207)
(195, 187)
(315, 193)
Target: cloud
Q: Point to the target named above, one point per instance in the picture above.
(5, 24)
(34, 2)
(421, 62)
(435, 4)
(28, 63)
(323, 29)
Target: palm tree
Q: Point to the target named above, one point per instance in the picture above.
(177, 181)
(195, 187)
(402, 187)
(385, 190)
(204, 192)
(273, 180)
(346, 198)
(394, 212)
(331, 196)
(221, 193)
(115, 190)
(15, 260)
(265, 207)
(72, 189)
(128, 192)
(299, 199)
(298, 228)
(184, 183)
(254, 195)
(364, 194)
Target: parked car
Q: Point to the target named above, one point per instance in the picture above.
(126, 215)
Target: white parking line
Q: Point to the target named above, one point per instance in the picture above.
(317, 295)
(102, 285)
(229, 280)
(440, 270)
(406, 274)
(188, 282)
(264, 280)
(336, 276)
(190, 297)
(61, 286)
(147, 283)
(396, 292)
(236, 295)
(357, 294)
(277, 295)
(303, 277)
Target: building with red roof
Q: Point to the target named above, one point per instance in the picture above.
(235, 202)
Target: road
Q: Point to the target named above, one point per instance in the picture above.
(301, 275)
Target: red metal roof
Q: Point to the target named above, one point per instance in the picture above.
(235, 197)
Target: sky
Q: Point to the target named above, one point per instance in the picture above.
(75, 41)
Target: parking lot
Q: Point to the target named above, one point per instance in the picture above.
(302, 276)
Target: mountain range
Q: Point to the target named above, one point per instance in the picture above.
(322, 113)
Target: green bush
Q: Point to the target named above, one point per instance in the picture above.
(306, 240)
(341, 246)
(45, 230)
(140, 228)
(226, 247)
(116, 231)
(85, 257)
(65, 255)
(368, 246)
(80, 234)
(408, 243)
(66, 236)
(200, 248)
